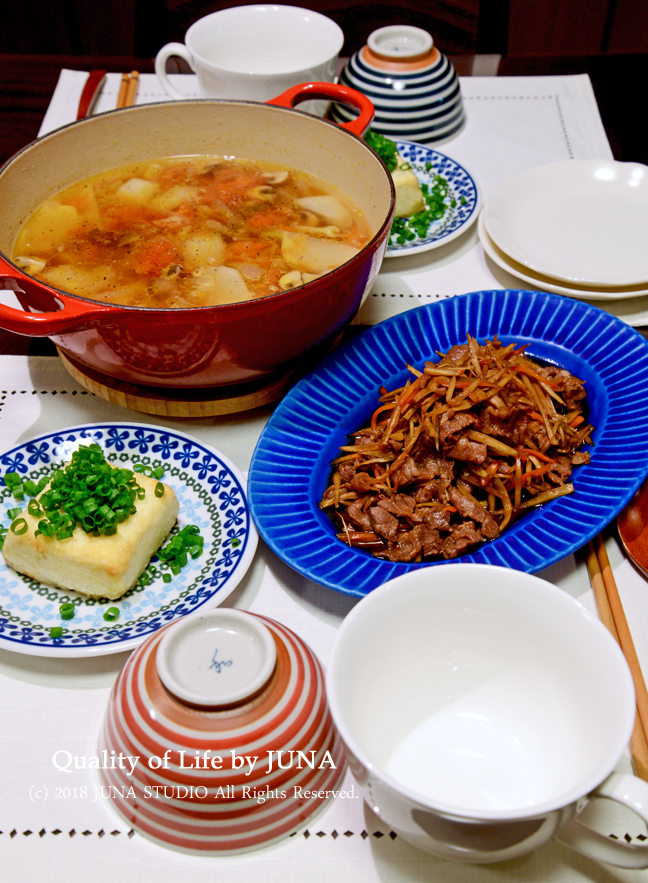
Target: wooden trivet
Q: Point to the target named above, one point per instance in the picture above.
(187, 403)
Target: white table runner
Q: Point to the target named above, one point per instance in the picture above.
(56, 826)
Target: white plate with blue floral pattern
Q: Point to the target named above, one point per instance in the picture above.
(212, 495)
(462, 200)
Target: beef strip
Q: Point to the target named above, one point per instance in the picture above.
(452, 426)
(465, 449)
(457, 352)
(462, 538)
(432, 542)
(572, 389)
(473, 509)
(359, 516)
(561, 470)
(400, 505)
(407, 546)
(383, 522)
(348, 469)
(436, 518)
(430, 491)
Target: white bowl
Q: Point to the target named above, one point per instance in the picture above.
(479, 706)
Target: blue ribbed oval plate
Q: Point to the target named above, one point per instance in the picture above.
(290, 467)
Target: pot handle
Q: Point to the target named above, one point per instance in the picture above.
(60, 314)
(308, 91)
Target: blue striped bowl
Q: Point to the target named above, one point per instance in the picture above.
(414, 88)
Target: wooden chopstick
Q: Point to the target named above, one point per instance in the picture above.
(612, 615)
(132, 88)
(123, 90)
(128, 89)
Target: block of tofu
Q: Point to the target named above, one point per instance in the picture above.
(409, 199)
(103, 566)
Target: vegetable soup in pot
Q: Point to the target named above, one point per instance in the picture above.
(190, 231)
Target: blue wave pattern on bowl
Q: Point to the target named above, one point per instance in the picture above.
(291, 464)
(423, 105)
(462, 190)
(210, 495)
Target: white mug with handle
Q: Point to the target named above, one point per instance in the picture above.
(482, 709)
(255, 52)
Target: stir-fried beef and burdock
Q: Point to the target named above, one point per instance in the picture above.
(454, 456)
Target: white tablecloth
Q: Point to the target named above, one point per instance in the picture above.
(57, 705)
(53, 705)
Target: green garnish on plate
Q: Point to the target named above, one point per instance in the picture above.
(435, 194)
(384, 147)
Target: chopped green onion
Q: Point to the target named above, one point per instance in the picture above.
(56, 632)
(89, 492)
(384, 147)
(158, 473)
(11, 479)
(111, 614)
(14, 513)
(67, 610)
(159, 489)
(32, 489)
(166, 577)
(19, 527)
(14, 482)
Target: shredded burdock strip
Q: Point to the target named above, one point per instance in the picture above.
(457, 453)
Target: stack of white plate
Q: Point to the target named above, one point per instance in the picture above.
(578, 228)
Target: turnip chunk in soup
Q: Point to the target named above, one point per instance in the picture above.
(190, 232)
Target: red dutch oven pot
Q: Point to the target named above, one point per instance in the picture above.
(211, 346)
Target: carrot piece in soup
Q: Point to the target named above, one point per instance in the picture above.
(87, 251)
(155, 255)
(247, 248)
(126, 216)
(186, 210)
(230, 187)
(354, 237)
(178, 173)
(271, 218)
